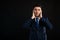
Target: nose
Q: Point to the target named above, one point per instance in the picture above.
(36, 11)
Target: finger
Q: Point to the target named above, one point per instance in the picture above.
(41, 14)
(33, 14)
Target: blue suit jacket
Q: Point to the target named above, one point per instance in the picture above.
(34, 33)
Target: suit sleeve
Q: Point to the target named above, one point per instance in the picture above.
(27, 24)
(48, 24)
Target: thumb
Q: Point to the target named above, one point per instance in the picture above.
(33, 16)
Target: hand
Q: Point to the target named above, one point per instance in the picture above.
(41, 14)
(33, 16)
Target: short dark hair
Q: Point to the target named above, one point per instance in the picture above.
(37, 5)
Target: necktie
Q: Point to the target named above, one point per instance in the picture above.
(37, 27)
(37, 23)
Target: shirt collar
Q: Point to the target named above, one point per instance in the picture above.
(38, 18)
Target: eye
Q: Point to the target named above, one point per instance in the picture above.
(38, 9)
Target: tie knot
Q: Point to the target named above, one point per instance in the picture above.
(37, 20)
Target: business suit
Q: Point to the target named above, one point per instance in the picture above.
(40, 33)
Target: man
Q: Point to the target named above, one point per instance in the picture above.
(37, 24)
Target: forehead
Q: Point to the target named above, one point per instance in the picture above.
(37, 7)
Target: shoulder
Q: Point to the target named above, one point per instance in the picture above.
(44, 18)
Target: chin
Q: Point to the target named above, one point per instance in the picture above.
(37, 16)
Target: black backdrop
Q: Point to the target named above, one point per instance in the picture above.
(13, 13)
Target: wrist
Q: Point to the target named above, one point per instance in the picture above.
(32, 18)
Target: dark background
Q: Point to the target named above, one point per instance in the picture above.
(13, 13)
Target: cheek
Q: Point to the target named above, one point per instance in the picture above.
(39, 12)
(35, 12)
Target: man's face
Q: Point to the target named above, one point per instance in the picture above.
(37, 11)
